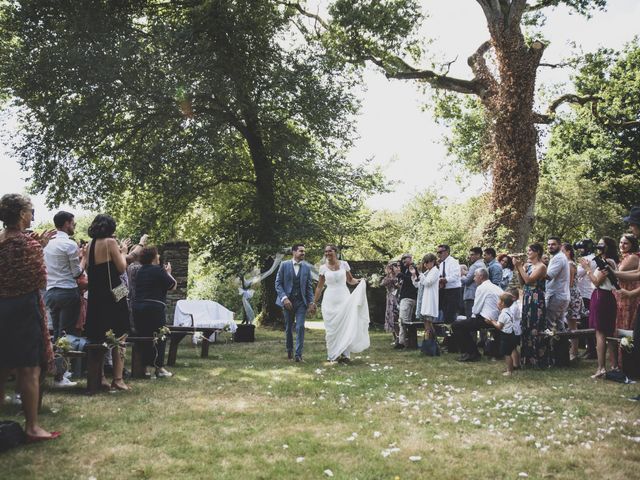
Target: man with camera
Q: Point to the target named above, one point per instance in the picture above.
(408, 297)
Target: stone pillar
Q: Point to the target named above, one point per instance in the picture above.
(177, 253)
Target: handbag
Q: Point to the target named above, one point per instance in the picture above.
(11, 435)
(121, 291)
(430, 348)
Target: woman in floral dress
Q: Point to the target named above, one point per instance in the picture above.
(534, 349)
(629, 260)
(390, 282)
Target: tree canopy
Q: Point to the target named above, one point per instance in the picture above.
(185, 115)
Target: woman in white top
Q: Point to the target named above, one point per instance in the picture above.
(602, 311)
(345, 315)
(429, 291)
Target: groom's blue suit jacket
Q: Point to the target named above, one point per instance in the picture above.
(284, 282)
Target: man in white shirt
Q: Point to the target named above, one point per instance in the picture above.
(485, 307)
(62, 258)
(449, 284)
(557, 294)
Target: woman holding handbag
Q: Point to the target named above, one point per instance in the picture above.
(107, 302)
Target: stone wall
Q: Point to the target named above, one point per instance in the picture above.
(177, 253)
(376, 296)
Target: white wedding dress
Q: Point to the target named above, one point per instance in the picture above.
(345, 315)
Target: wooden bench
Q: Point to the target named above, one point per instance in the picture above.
(94, 354)
(138, 367)
(411, 329)
(178, 333)
(561, 347)
(630, 359)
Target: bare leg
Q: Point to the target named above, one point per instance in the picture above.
(29, 381)
(613, 355)
(601, 350)
(573, 325)
(515, 358)
(117, 355)
(428, 329)
(509, 362)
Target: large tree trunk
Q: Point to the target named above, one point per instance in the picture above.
(267, 217)
(514, 136)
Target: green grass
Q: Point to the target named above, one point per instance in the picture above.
(247, 412)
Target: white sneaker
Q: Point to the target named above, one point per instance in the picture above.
(13, 399)
(67, 374)
(162, 373)
(64, 383)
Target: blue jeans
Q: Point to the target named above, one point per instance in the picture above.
(299, 310)
(64, 307)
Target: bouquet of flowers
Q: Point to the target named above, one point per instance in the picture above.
(63, 344)
(111, 341)
(161, 334)
(627, 343)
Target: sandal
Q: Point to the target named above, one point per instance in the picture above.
(599, 374)
(115, 385)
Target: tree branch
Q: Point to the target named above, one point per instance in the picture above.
(542, 4)
(548, 117)
(555, 65)
(306, 13)
(480, 69)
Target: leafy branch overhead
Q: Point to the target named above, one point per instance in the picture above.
(163, 110)
(503, 79)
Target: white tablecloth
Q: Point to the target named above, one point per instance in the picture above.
(203, 314)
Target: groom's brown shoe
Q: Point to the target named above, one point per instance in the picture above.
(290, 354)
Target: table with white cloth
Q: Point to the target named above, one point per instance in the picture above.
(204, 316)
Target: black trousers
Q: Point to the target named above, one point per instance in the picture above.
(148, 318)
(449, 302)
(464, 332)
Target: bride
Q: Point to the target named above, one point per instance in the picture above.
(345, 315)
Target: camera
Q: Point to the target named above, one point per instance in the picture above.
(586, 245)
(604, 266)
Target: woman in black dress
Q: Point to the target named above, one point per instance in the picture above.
(106, 262)
(149, 308)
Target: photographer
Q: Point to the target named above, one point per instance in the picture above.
(408, 297)
(602, 313)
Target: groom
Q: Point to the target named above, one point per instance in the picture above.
(295, 295)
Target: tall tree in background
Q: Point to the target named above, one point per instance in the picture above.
(504, 70)
(165, 109)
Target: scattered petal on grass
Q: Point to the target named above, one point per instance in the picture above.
(328, 473)
(415, 458)
(377, 434)
(523, 474)
(299, 459)
(489, 382)
(285, 446)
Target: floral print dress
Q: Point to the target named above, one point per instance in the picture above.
(391, 311)
(534, 347)
(576, 305)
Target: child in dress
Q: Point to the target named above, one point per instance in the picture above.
(505, 325)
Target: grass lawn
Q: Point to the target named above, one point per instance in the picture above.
(247, 412)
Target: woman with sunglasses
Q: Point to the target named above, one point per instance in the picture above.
(345, 314)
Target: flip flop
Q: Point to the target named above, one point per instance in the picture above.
(35, 439)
